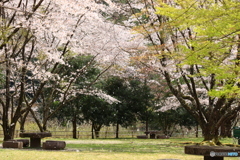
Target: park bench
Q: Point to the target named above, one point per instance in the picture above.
(213, 152)
(12, 144)
(54, 145)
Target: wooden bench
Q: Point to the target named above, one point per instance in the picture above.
(213, 152)
(54, 145)
(12, 144)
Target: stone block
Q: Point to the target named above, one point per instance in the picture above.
(24, 141)
(54, 145)
(12, 144)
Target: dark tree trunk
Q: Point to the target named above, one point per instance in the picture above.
(147, 122)
(97, 128)
(211, 134)
(74, 125)
(117, 130)
(197, 131)
(9, 124)
(97, 133)
(9, 132)
(226, 129)
(22, 121)
(92, 131)
(5, 119)
(210, 119)
(41, 128)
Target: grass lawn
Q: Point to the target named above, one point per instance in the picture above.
(111, 149)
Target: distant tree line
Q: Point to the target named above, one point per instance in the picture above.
(136, 104)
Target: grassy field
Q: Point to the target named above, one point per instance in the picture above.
(111, 149)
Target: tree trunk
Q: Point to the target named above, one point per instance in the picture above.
(74, 125)
(22, 121)
(117, 130)
(147, 122)
(92, 131)
(9, 132)
(41, 128)
(226, 131)
(211, 134)
(97, 128)
(197, 131)
(96, 133)
(226, 128)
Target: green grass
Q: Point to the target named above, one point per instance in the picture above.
(117, 149)
(53, 155)
(127, 146)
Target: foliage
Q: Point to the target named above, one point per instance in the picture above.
(96, 111)
(168, 121)
(115, 86)
(141, 97)
(135, 99)
(213, 45)
(186, 119)
(188, 43)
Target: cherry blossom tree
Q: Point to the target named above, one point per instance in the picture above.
(37, 37)
(17, 50)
